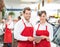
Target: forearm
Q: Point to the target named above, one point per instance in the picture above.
(20, 38)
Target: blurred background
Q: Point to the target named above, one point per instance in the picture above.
(15, 8)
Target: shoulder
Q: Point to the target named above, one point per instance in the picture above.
(19, 23)
(36, 26)
(49, 25)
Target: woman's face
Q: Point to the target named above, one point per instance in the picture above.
(43, 17)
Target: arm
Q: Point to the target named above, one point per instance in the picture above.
(50, 29)
(18, 30)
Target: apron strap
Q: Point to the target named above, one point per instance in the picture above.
(46, 27)
(24, 23)
(31, 25)
(6, 26)
(38, 26)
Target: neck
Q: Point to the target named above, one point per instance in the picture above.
(42, 22)
(9, 20)
(27, 20)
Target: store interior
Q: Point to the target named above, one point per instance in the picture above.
(15, 8)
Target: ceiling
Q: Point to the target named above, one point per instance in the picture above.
(9, 2)
(16, 3)
(20, 1)
(56, 1)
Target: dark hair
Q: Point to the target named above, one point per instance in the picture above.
(19, 17)
(9, 15)
(40, 13)
(27, 8)
(59, 21)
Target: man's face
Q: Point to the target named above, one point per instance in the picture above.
(9, 17)
(27, 14)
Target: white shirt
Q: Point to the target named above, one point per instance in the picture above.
(49, 28)
(1, 29)
(43, 27)
(10, 24)
(19, 27)
(1, 26)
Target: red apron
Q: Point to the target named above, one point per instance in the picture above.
(44, 42)
(7, 35)
(28, 31)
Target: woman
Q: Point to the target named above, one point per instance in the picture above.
(44, 30)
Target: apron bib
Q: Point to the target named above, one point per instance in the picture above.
(44, 42)
(28, 31)
(7, 35)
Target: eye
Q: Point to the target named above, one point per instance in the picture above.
(26, 13)
(43, 16)
(29, 13)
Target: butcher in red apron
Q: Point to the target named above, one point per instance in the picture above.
(44, 30)
(23, 30)
(8, 32)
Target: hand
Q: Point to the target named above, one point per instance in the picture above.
(31, 38)
(45, 37)
(37, 40)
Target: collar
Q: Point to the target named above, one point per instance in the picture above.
(44, 23)
(25, 20)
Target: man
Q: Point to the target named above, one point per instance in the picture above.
(8, 31)
(23, 30)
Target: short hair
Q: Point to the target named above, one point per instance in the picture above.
(27, 8)
(19, 17)
(10, 15)
(40, 13)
